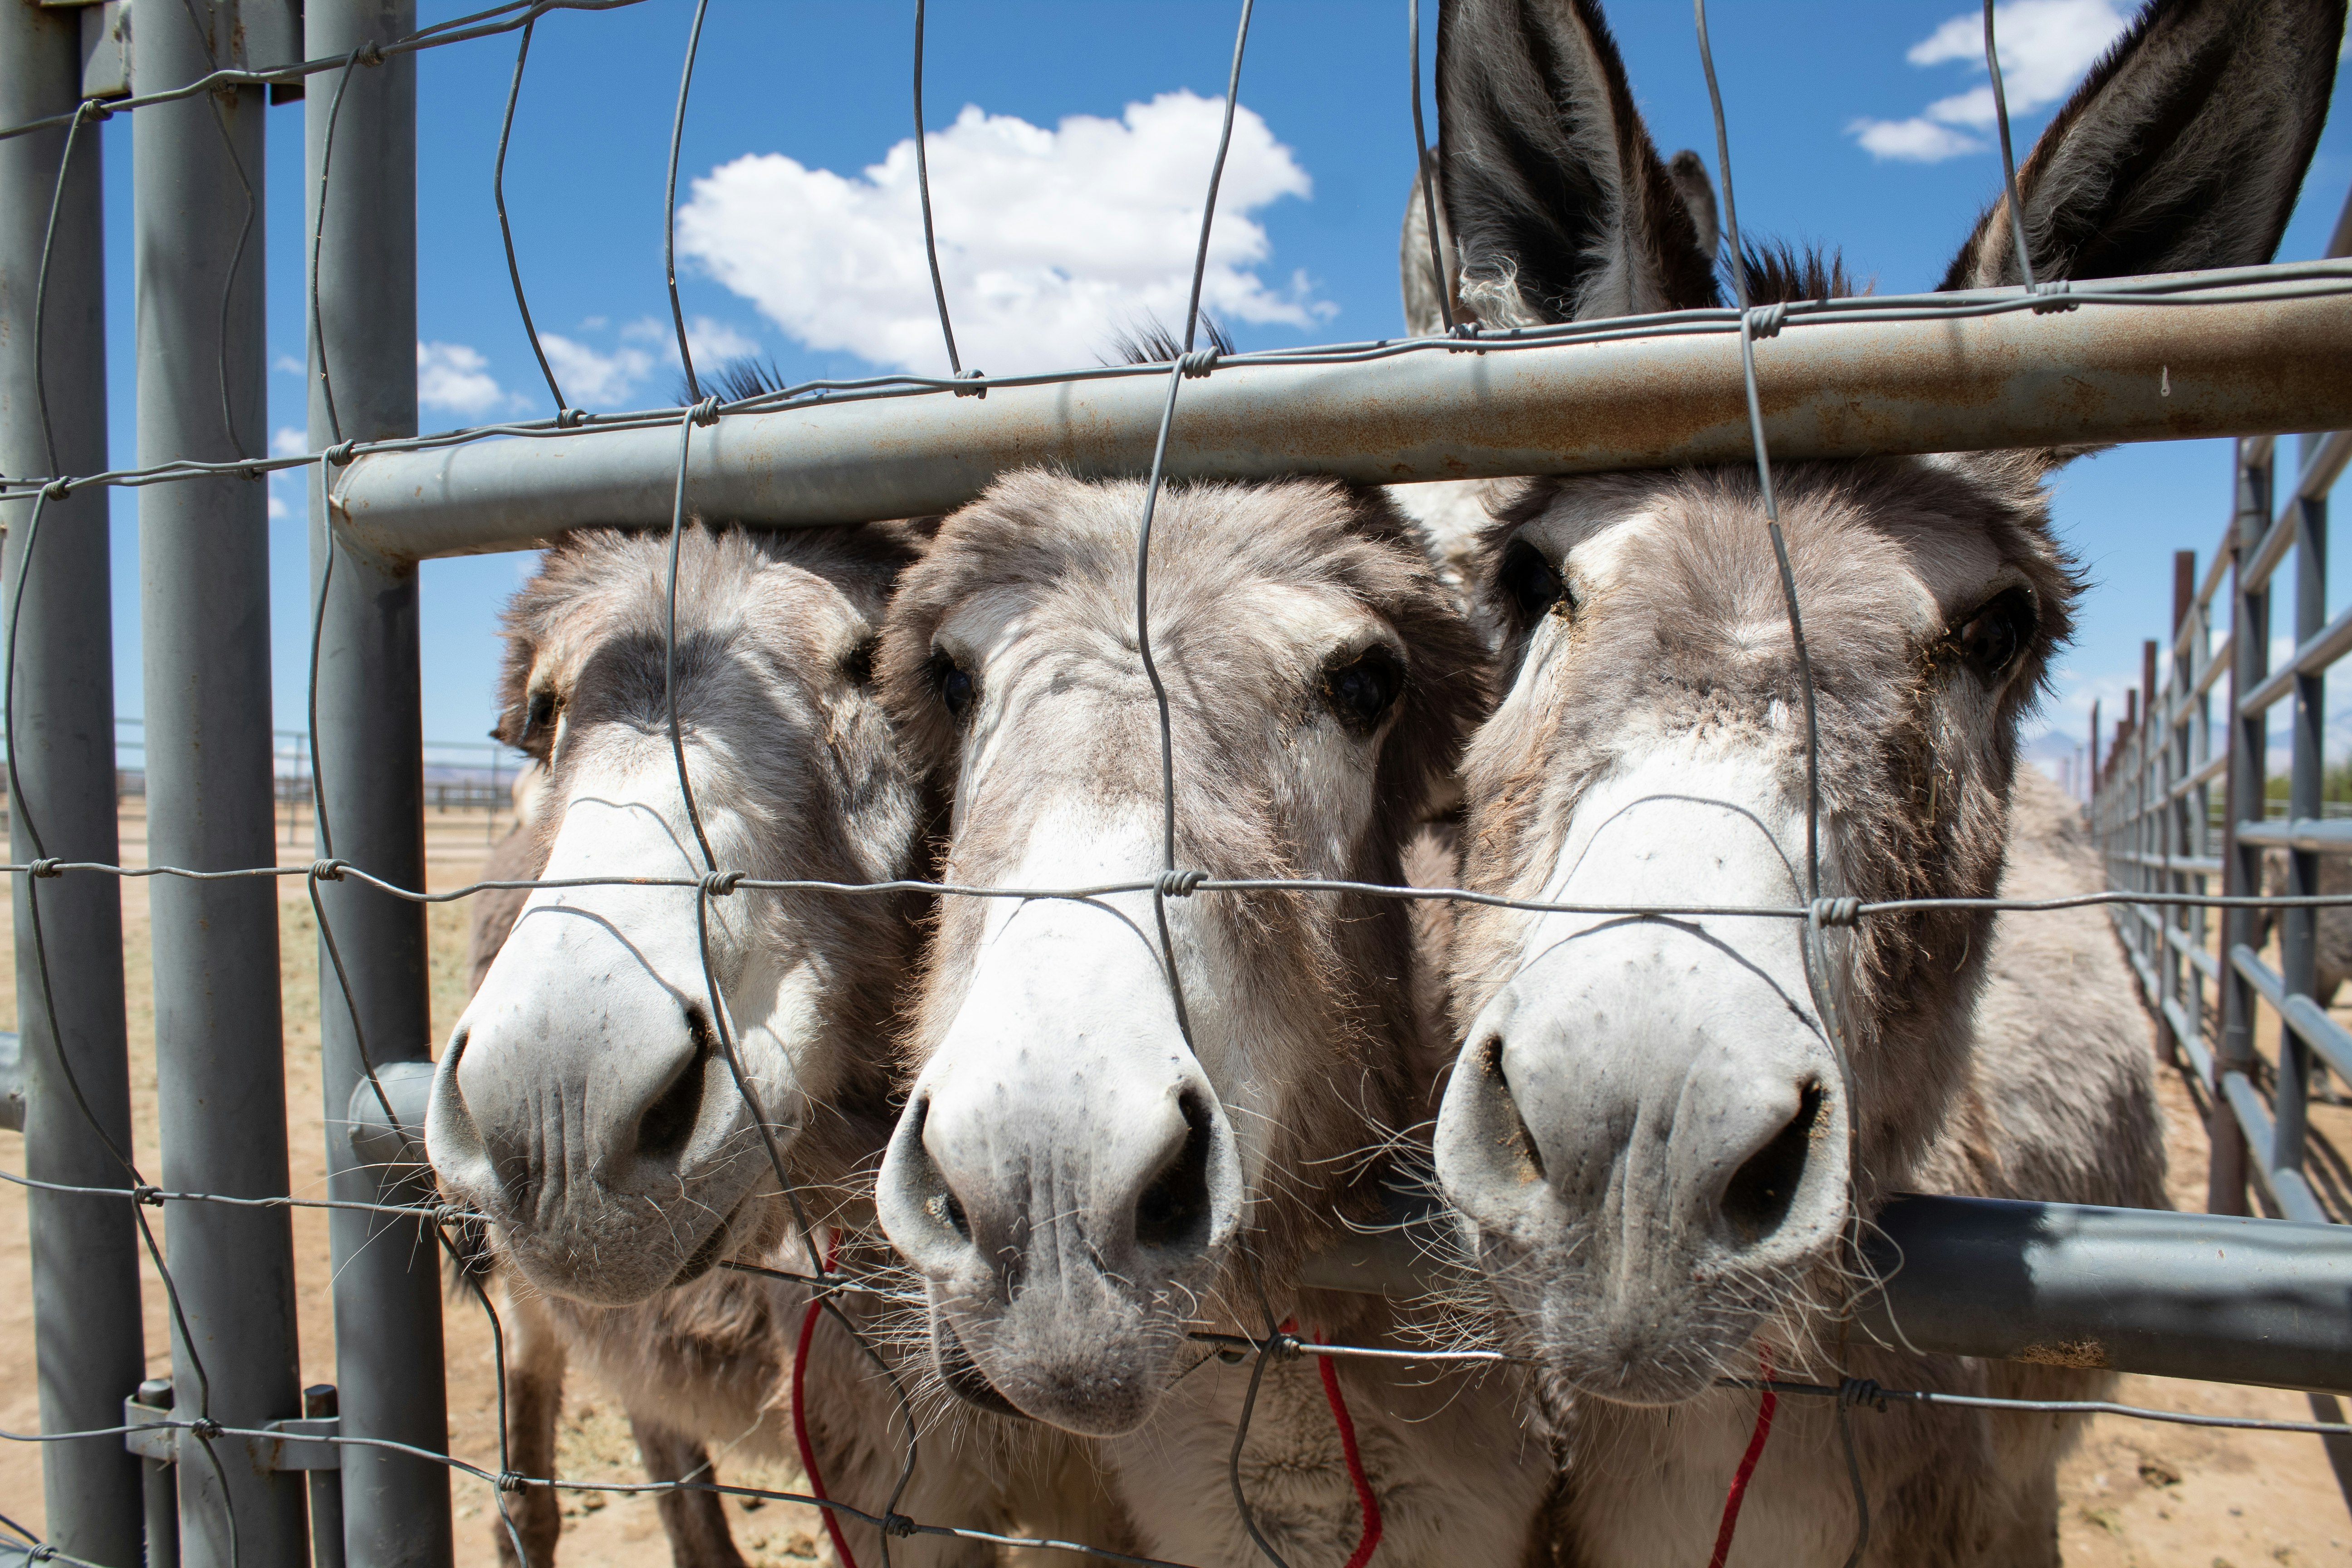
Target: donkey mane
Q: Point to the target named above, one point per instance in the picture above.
(1149, 341)
(1778, 274)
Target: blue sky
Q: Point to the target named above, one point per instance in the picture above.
(1811, 88)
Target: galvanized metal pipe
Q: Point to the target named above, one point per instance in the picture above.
(2249, 745)
(2171, 1295)
(2299, 928)
(370, 761)
(86, 1320)
(2147, 1291)
(2095, 373)
(204, 552)
(160, 1484)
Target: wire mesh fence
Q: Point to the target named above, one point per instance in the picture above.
(2160, 843)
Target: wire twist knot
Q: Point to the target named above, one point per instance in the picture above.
(972, 391)
(47, 866)
(898, 1525)
(1766, 320)
(1179, 884)
(150, 1195)
(40, 1552)
(204, 1427)
(341, 452)
(1854, 1391)
(511, 1481)
(57, 490)
(1836, 911)
(369, 54)
(707, 411)
(571, 418)
(328, 870)
(1198, 363)
(2054, 296)
(719, 884)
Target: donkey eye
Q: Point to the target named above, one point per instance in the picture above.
(1363, 688)
(537, 718)
(1990, 640)
(1530, 581)
(954, 684)
(858, 664)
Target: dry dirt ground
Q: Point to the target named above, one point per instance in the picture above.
(2133, 1494)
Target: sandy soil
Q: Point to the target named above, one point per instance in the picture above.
(2133, 1494)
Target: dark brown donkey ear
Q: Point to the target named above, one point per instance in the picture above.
(2183, 149)
(1557, 199)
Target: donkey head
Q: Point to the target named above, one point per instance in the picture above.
(1648, 1131)
(585, 1103)
(1093, 1146)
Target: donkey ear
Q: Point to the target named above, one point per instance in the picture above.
(1415, 269)
(1560, 204)
(2183, 149)
(1688, 171)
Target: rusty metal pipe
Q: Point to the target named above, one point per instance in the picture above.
(2269, 358)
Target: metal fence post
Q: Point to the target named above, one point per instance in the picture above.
(368, 755)
(2181, 980)
(160, 1480)
(2299, 928)
(85, 1262)
(204, 555)
(2241, 872)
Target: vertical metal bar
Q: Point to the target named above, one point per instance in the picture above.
(326, 1488)
(2250, 650)
(2299, 928)
(367, 751)
(2149, 752)
(160, 1483)
(2180, 976)
(203, 558)
(86, 1320)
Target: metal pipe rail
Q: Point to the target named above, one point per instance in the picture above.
(2143, 1290)
(1869, 381)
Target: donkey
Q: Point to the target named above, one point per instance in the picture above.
(2334, 924)
(1647, 1133)
(1131, 1118)
(585, 1105)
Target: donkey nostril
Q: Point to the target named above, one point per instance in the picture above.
(669, 1121)
(1523, 1145)
(1174, 1208)
(1760, 1192)
(949, 1211)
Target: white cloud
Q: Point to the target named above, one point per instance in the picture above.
(457, 378)
(713, 340)
(1913, 141)
(2045, 47)
(1050, 240)
(590, 378)
(289, 365)
(285, 442)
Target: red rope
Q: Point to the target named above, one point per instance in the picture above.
(1738, 1491)
(1365, 1500)
(800, 1415)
